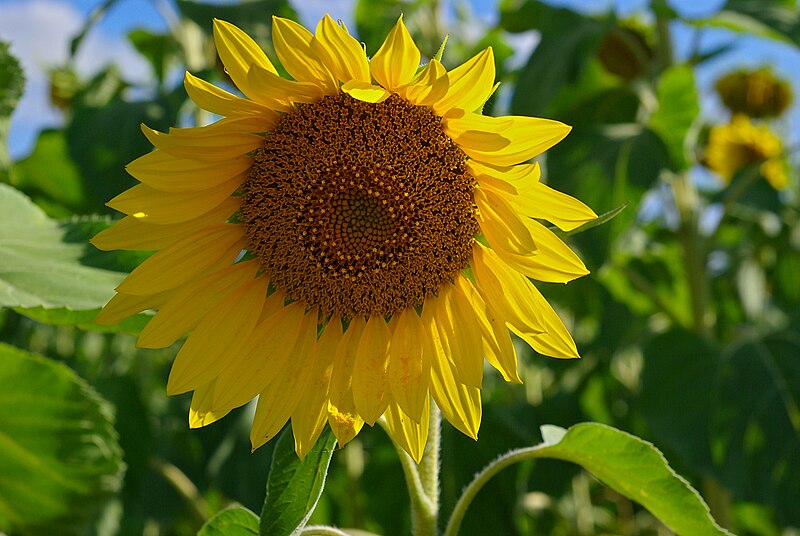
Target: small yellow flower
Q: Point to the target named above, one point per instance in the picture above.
(321, 241)
(739, 144)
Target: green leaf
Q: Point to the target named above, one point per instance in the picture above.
(234, 521)
(161, 50)
(629, 465)
(568, 42)
(12, 82)
(38, 268)
(601, 219)
(132, 325)
(678, 107)
(294, 486)
(59, 454)
(50, 178)
(772, 19)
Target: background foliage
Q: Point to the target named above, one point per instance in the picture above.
(689, 325)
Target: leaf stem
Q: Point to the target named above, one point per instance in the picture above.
(486, 474)
(185, 488)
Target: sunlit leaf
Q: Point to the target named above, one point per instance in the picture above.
(38, 268)
(294, 486)
(629, 465)
(678, 106)
(59, 454)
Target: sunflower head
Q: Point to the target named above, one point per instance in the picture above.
(739, 144)
(757, 94)
(346, 245)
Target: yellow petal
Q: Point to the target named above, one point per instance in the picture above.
(507, 292)
(428, 87)
(469, 84)
(503, 229)
(239, 53)
(344, 420)
(520, 186)
(184, 260)
(554, 262)
(121, 306)
(460, 404)
(409, 371)
(310, 415)
(505, 140)
(344, 55)
(149, 205)
(201, 410)
(278, 400)
(292, 44)
(224, 140)
(167, 173)
(184, 311)
(556, 340)
(459, 335)
(396, 62)
(131, 233)
(364, 91)
(223, 330)
(371, 393)
(269, 86)
(497, 345)
(209, 97)
(255, 364)
(409, 434)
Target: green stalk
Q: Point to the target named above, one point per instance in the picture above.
(423, 480)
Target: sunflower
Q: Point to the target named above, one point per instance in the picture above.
(739, 144)
(347, 245)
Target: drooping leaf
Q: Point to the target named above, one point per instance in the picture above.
(234, 521)
(59, 454)
(38, 268)
(678, 107)
(629, 465)
(294, 486)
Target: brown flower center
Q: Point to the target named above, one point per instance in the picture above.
(359, 208)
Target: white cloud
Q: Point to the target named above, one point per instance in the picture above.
(40, 32)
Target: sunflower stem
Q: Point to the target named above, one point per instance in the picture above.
(422, 480)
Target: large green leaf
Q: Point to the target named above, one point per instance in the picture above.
(678, 107)
(59, 455)
(12, 82)
(234, 521)
(631, 466)
(294, 486)
(38, 268)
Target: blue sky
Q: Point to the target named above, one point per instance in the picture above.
(44, 44)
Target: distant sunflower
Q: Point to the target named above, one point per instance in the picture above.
(346, 244)
(739, 144)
